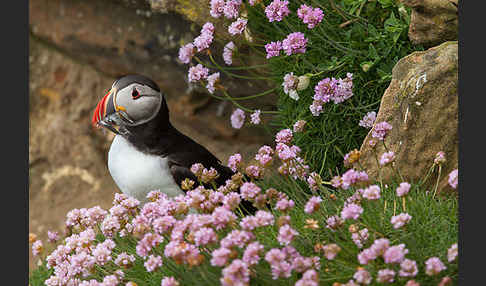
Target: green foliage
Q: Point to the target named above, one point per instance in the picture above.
(369, 45)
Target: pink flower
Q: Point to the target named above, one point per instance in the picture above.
(310, 16)
(237, 26)
(412, 283)
(254, 171)
(294, 43)
(145, 245)
(221, 216)
(453, 178)
(366, 255)
(344, 89)
(186, 53)
(439, 158)
(286, 234)
(237, 118)
(264, 155)
(362, 276)
(284, 136)
(309, 278)
(153, 262)
(385, 276)
(280, 267)
(276, 10)
(249, 191)
(220, 256)
(197, 169)
(403, 189)
(387, 157)
(110, 280)
(212, 79)
(102, 252)
(284, 204)
(380, 246)
(234, 161)
(400, 220)
(252, 252)
(368, 120)
(231, 200)
(381, 130)
(169, 281)
(204, 40)
(237, 273)
(231, 9)
(395, 254)
(228, 53)
(316, 108)
(216, 8)
(408, 268)
(237, 238)
(325, 90)
(37, 247)
(123, 259)
(371, 193)
(452, 252)
(312, 204)
(351, 211)
(255, 117)
(197, 73)
(163, 224)
(273, 49)
(204, 235)
(52, 236)
(290, 85)
(334, 222)
(360, 237)
(299, 125)
(433, 266)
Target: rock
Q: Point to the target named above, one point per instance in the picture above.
(433, 21)
(120, 37)
(421, 104)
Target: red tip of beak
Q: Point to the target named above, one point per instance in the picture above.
(100, 111)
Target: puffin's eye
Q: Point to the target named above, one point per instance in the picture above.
(135, 93)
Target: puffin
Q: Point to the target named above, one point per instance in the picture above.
(148, 153)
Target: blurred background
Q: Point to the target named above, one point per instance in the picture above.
(76, 50)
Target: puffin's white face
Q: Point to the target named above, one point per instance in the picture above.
(137, 103)
(132, 100)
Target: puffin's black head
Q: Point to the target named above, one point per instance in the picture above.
(132, 100)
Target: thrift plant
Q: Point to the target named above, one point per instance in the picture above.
(330, 62)
(304, 232)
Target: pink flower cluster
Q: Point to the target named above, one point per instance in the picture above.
(368, 120)
(230, 9)
(237, 118)
(381, 130)
(277, 10)
(310, 16)
(337, 90)
(349, 178)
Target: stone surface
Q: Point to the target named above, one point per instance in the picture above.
(421, 104)
(433, 21)
(67, 157)
(120, 37)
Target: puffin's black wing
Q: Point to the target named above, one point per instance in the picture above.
(180, 173)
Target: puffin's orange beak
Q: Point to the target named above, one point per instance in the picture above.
(100, 111)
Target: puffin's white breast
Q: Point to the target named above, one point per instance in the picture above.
(137, 173)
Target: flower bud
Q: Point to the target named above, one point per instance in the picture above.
(303, 82)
